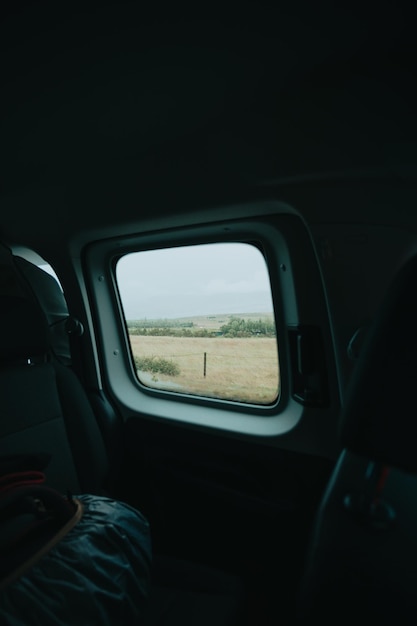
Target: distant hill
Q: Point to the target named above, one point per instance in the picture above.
(209, 322)
(238, 325)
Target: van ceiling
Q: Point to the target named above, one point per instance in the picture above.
(119, 112)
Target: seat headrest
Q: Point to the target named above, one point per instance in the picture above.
(379, 419)
(46, 288)
(23, 329)
(49, 295)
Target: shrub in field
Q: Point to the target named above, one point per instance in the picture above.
(157, 365)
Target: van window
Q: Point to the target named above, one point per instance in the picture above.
(200, 321)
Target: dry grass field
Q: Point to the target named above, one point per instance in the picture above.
(241, 369)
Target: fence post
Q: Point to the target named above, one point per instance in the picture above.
(205, 363)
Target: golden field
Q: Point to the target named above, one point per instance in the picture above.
(239, 369)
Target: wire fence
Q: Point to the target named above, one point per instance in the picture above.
(243, 370)
(214, 355)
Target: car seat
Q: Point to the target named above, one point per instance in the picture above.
(362, 560)
(46, 409)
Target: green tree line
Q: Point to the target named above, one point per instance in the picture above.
(238, 327)
(235, 327)
(159, 323)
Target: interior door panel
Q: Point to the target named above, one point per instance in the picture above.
(241, 505)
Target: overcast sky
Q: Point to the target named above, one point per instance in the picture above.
(194, 280)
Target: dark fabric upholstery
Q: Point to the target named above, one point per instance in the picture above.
(49, 437)
(83, 432)
(23, 329)
(32, 421)
(43, 405)
(48, 293)
(378, 420)
(29, 396)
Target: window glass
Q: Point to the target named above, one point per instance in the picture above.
(200, 321)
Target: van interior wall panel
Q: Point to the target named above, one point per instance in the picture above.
(237, 505)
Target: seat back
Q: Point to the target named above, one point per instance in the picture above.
(44, 407)
(362, 560)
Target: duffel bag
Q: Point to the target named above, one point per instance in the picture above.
(70, 560)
